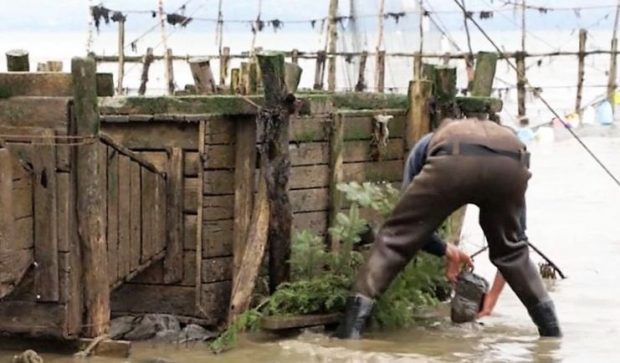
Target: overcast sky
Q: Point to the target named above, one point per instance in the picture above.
(72, 15)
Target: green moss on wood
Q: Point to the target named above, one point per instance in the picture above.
(364, 101)
(479, 104)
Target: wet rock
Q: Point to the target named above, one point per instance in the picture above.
(121, 326)
(147, 326)
(168, 336)
(196, 333)
(469, 295)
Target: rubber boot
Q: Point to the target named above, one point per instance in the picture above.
(545, 319)
(357, 311)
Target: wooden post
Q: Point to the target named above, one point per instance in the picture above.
(444, 90)
(380, 75)
(520, 58)
(244, 78)
(54, 66)
(419, 115)
(252, 85)
(482, 84)
(245, 165)
(7, 218)
(581, 69)
(146, 64)
(332, 30)
(202, 74)
(276, 144)
(319, 70)
(611, 83)
(292, 73)
(295, 56)
(121, 55)
(360, 86)
(417, 66)
(17, 61)
(202, 131)
(234, 81)
(336, 145)
(169, 72)
(224, 62)
(42, 67)
(173, 262)
(90, 199)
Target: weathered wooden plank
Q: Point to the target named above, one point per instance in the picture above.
(336, 144)
(217, 269)
(13, 267)
(189, 232)
(192, 164)
(74, 289)
(47, 112)
(42, 84)
(353, 151)
(148, 206)
(315, 222)
(308, 129)
(160, 215)
(22, 198)
(222, 156)
(153, 274)
(298, 321)
(154, 135)
(63, 211)
(217, 238)
(112, 211)
(24, 233)
(148, 298)
(189, 268)
(33, 319)
(159, 159)
(217, 182)
(390, 171)
(309, 200)
(45, 221)
(207, 105)
(309, 153)
(315, 176)
(219, 207)
(360, 127)
(220, 131)
(124, 216)
(215, 298)
(191, 194)
(135, 216)
(6, 201)
(173, 263)
(19, 171)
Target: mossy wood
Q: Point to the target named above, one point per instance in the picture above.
(17, 60)
(419, 116)
(482, 84)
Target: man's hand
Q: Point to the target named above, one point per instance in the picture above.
(455, 258)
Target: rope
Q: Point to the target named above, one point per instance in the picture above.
(543, 100)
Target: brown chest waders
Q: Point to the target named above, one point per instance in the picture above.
(469, 162)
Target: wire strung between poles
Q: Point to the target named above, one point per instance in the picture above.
(539, 96)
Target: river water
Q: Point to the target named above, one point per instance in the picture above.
(573, 217)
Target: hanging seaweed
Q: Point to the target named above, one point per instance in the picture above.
(258, 25)
(153, 14)
(395, 16)
(313, 23)
(98, 13)
(486, 14)
(174, 19)
(134, 46)
(276, 24)
(117, 17)
(348, 58)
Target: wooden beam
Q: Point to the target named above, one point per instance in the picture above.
(90, 200)
(245, 166)
(319, 73)
(45, 227)
(332, 30)
(521, 82)
(202, 75)
(336, 146)
(169, 72)
(224, 63)
(146, 65)
(418, 118)
(380, 72)
(7, 220)
(42, 320)
(15, 84)
(583, 33)
(173, 263)
(121, 55)
(202, 132)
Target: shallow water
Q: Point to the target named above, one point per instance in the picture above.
(573, 217)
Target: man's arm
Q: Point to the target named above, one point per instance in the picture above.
(490, 299)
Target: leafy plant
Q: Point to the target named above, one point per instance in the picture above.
(228, 339)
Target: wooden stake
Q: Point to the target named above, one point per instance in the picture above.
(581, 69)
(17, 60)
(90, 198)
(295, 56)
(224, 62)
(482, 83)
(170, 72)
(202, 75)
(361, 76)
(276, 145)
(245, 165)
(419, 115)
(164, 42)
(336, 145)
(292, 73)
(147, 60)
(319, 71)
(332, 30)
(611, 84)
(234, 81)
(520, 58)
(121, 55)
(380, 75)
(202, 130)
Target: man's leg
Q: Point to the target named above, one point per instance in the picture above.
(510, 254)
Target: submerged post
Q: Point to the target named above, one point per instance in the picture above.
(89, 192)
(580, 72)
